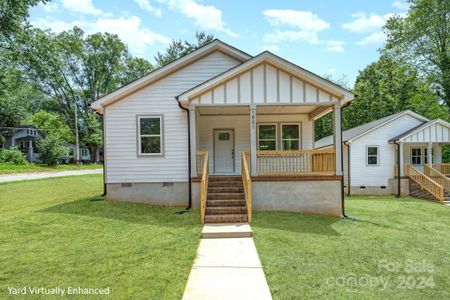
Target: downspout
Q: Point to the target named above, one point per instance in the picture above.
(189, 154)
(348, 169)
(104, 153)
(398, 171)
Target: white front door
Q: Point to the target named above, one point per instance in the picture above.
(223, 151)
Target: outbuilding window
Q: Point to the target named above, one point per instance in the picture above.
(150, 135)
(373, 155)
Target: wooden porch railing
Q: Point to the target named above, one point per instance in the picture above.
(200, 155)
(425, 182)
(203, 183)
(293, 162)
(442, 168)
(437, 176)
(247, 181)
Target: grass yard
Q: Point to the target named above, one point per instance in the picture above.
(29, 168)
(402, 242)
(60, 232)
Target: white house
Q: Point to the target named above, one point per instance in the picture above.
(225, 132)
(25, 139)
(372, 151)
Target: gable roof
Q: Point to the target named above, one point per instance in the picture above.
(215, 45)
(277, 61)
(419, 128)
(352, 134)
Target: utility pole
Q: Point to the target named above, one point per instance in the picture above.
(77, 142)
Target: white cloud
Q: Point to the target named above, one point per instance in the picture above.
(375, 38)
(364, 23)
(129, 30)
(400, 5)
(49, 6)
(145, 5)
(371, 25)
(334, 46)
(272, 48)
(206, 17)
(295, 25)
(81, 6)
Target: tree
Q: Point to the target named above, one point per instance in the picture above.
(179, 48)
(422, 39)
(13, 14)
(50, 123)
(74, 70)
(51, 149)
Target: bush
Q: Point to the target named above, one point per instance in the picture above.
(51, 149)
(12, 156)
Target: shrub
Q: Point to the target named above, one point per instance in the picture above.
(12, 156)
(51, 149)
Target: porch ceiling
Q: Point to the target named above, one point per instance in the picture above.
(260, 109)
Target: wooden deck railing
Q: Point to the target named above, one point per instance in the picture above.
(247, 181)
(442, 168)
(200, 155)
(425, 182)
(437, 177)
(293, 162)
(203, 183)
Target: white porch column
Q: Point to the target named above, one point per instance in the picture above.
(30, 151)
(337, 137)
(402, 168)
(438, 154)
(193, 143)
(253, 139)
(430, 154)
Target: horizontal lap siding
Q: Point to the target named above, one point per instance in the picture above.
(122, 163)
(362, 175)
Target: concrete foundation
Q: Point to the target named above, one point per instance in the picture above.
(170, 194)
(320, 197)
(390, 189)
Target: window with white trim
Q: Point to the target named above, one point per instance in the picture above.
(290, 137)
(267, 136)
(373, 155)
(150, 135)
(416, 156)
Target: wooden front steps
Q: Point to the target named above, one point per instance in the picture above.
(226, 200)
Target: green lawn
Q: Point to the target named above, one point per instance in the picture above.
(60, 232)
(12, 169)
(404, 242)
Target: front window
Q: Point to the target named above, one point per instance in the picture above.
(267, 137)
(150, 135)
(290, 136)
(416, 156)
(372, 155)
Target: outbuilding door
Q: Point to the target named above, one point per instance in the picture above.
(224, 151)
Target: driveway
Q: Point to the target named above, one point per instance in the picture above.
(40, 175)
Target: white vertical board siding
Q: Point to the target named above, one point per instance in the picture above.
(434, 133)
(266, 84)
(122, 162)
(363, 175)
(241, 126)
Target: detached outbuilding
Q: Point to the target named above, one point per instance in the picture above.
(374, 153)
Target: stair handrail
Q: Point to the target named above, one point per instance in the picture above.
(203, 185)
(426, 182)
(437, 176)
(247, 181)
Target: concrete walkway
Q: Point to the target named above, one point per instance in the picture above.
(227, 267)
(40, 175)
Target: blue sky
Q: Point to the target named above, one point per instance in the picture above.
(325, 37)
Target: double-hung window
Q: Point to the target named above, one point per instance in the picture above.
(290, 136)
(267, 136)
(416, 156)
(150, 135)
(373, 155)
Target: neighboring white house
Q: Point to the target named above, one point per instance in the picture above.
(70, 155)
(372, 151)
(25, 138)
(252, 117)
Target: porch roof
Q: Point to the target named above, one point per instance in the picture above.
(432, 131)
(322, 90)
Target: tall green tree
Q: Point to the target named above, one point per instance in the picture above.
(74, 70)
(422, 39)
(13, 13)
(178, 48)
